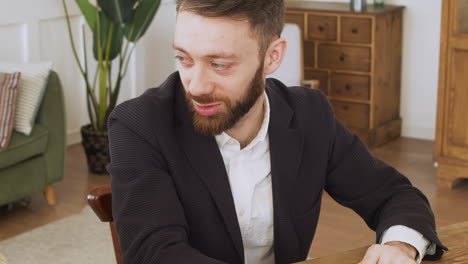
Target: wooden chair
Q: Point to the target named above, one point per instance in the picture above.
(100, 199)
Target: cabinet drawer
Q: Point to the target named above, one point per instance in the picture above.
(309, 54)
(295, 18)
(350, 86)
(363, 134)
(322, 76)
(356, 30)
(322, 27)
(344, 57)
(351, 114)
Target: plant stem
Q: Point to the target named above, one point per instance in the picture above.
(102, 73)
(109, 77)
(75, 53)
(95, 79)
(107, 70)
(70, 35)
(127, 44)
(128, 60)
(119, 12)
(90, 111)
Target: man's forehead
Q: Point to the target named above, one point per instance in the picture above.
(192, 17)
(212, 37)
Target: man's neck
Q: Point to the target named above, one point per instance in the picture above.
(248, 127)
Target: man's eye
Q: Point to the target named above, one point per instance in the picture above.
(184, 61)
(180, 58)
(218, 66)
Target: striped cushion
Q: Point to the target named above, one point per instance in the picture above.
(8, 91)
(31, 90)
(3, 260)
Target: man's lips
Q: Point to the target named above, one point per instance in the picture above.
(207, 110)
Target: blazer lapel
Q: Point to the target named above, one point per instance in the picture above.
(286, 153)
(206, 160)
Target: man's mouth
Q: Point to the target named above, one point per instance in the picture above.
(207, 110)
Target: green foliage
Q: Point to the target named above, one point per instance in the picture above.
(114, 25)
(111, 34)
(119, 11)
(141, 19)
(89, 12)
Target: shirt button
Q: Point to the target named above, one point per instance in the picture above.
(241, 213)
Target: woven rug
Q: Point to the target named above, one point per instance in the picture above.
(77, 239)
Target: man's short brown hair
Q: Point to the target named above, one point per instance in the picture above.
(266, 17)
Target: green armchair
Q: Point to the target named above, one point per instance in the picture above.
(31, 164)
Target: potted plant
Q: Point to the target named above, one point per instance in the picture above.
(116, 25)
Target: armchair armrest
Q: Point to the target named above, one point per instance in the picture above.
(52, 116)
(100, 200)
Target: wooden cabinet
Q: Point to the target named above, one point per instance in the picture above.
(451, 152)
(357, 59)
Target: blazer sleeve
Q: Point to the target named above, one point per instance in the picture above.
(149, 217)
(381, 195)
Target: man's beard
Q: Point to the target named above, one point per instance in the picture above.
(229, 115)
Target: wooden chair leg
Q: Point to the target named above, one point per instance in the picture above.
(115, 240)
(50, 194)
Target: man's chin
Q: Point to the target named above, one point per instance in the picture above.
(209, 125)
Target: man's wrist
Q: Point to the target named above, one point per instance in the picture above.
(408, 249)
(406, 235)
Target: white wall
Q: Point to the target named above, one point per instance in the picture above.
(420, 69)
(420, 65)
(35, 30)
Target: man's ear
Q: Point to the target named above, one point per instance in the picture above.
(274, 55)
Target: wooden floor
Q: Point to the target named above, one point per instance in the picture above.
(339, 228)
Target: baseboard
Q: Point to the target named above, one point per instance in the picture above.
(73, 137)
(418, 132)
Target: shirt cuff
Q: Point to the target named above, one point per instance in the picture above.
(409, 236)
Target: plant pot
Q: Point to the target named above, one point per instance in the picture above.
(96, 146)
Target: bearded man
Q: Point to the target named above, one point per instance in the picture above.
(220, 165)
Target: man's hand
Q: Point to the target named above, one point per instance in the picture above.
(391, 253)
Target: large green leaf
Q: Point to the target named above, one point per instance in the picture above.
(89, 12)
(141, 19)
(120, 11)
(107, 28)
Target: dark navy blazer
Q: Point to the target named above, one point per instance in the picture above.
(171, 196)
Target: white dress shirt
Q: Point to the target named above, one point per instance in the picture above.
(249, 173)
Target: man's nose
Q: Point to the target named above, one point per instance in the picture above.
(200, 84)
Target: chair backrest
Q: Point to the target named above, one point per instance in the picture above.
(290, 72)
(100, 200)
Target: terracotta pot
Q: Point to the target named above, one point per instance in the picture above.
(96, 146)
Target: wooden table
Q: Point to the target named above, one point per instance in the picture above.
(455, 237)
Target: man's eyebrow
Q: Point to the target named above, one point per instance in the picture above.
(213, 55)
(174, 46)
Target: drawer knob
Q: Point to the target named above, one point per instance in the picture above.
(346, 107)
(354, 30)
(321, 28)
(342, 58)
(348, 87)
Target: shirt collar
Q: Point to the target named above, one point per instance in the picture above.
(223, 138)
